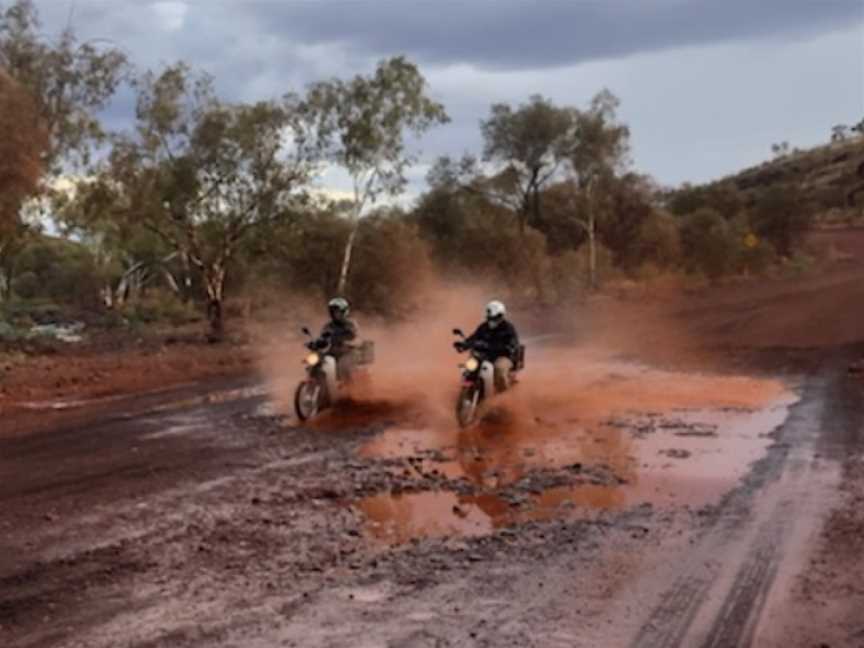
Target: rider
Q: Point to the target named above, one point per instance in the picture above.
(338, 333)
(501, 340)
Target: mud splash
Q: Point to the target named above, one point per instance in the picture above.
(632, 436)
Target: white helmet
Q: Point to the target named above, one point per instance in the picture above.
(495, 312)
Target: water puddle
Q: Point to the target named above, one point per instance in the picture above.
(67, 403)
(630, 438)
(222, 396)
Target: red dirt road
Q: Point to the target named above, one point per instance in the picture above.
(652, 503)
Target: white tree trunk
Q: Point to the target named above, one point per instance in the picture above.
(126, 283)
(172, 281)
(106, 293)
(360, 196)
(346, 259)
(592, 252)
(215, 283)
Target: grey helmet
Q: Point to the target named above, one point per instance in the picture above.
(339, 308)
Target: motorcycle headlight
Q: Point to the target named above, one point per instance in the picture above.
(472, 364)
(313, 359)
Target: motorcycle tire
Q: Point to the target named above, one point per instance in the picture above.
(468, 405)
(305, 405)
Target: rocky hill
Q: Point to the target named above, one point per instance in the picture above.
(832, 176)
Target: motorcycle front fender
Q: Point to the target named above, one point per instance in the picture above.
(487, 375)
(327, 367)
(324, 373)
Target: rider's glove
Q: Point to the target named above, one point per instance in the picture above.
(459, 346)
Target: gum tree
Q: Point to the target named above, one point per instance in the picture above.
(362, 125)
(202, 174)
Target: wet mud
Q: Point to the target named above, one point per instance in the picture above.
(602, 502)
(690, 442)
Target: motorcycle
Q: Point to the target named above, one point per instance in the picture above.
(325, 380)
(478, 379)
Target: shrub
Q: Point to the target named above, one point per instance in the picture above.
(799, 264)
(759, 258)
(390, 267)
(660, 241)
(782, 217)
(58, 270)
(160, 306)
(9, 333)
(709, 243)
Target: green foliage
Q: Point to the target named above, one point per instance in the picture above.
(780, 149)
(24, 313)
(710, 243)
(203, 196)
(600, 144)
(160, 306)
(782, 217)
(467, 233)
(391, 267)
(58, 270)
(532, 137)
(800, 263)
(390, 264)
(564, 212)
(70, 81)
(362, 124)
(299, 254)
(758, 259)
(605, 269)
(9, 333)
(201, 174)
(658, 242)
(625, 210)
(50, 93)
(530, 144)
(721, 197)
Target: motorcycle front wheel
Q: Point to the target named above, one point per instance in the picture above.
(307, 399)
(468, 405)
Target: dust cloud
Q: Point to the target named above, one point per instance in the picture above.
(589, 361)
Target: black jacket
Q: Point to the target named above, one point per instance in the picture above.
(339, 334)
(503, 340)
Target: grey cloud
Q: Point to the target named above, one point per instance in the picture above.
(795, 53)
(512, 34)
(489, 34)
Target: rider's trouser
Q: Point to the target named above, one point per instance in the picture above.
(337, 369)
(503, 367)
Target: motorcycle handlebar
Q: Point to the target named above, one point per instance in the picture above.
(476, 345)
(317, 345)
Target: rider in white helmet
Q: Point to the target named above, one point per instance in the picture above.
(501, 338)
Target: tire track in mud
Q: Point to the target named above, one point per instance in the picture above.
(743, 607)
(727, 578)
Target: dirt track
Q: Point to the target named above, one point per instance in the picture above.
(649, 508)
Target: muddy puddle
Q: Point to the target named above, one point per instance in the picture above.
(629, 437)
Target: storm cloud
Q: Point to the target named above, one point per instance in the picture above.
(508, 34)
(706, 85)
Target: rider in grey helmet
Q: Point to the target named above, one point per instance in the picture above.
(338, 332)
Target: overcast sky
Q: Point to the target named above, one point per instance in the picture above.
(706, 85)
